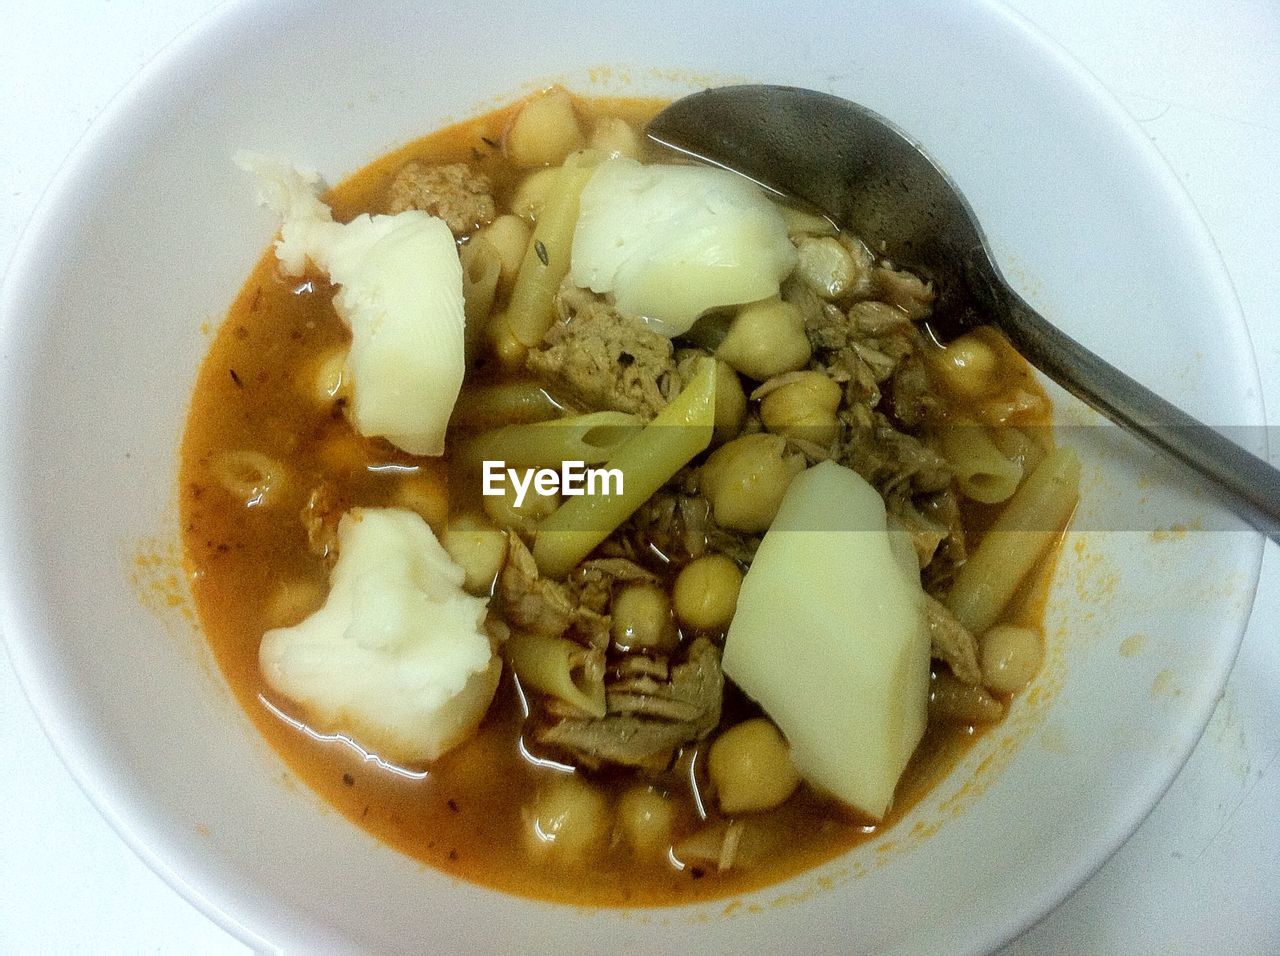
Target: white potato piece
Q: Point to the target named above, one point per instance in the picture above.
(395, 659)
(400, 292)
(670, 242)
(829, 637)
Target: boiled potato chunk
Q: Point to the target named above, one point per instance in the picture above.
(829, 638)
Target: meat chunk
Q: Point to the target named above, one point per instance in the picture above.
(903, 289)
(577, 608)
(649, 718)
(893, 461)
(455, 193)
(606, 361)
(532, 602)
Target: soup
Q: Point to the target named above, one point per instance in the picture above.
(636, 773)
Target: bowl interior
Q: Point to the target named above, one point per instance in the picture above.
(150, 231)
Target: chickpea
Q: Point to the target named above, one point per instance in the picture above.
(642, 618)
(746, 478)
(545, 130)
(766, 339)
(478, 548)
(968, 366)
(569, 816)
(535, 507)
(805, 408)
(750, 764)
(646, 819)
(706, 593)
(330, 379)
(827, 267)
(532, 192)
(731, 400)
(509, 236)
(1010, 657)
(615, 137)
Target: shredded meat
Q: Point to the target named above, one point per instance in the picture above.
(876, 351)
(952, 643)
(893, 461)
(904, 289)
(530, 601)
(458, 195)
(674, 527)
(648, 718)
(606, 361)
(577, 608)
(910, 400)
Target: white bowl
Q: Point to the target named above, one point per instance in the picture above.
(149, 232)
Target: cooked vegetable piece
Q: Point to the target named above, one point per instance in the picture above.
(569, 817)
(670, 242)
(642, 619)
(646, 819)
(400, 293)
(395, 659)
(544, 131)
(829, 638)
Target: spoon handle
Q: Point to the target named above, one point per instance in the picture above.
(1243, 482)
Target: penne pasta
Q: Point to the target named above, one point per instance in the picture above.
(981, 471)
(647, 461)
(546, 261)
(561, 668)
(487, 406)
(1020, 536)
(481, 268)
(589, 438)
(1016, 445)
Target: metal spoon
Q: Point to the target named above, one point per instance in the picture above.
(866, 174)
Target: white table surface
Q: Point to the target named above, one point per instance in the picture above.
(1202, 875)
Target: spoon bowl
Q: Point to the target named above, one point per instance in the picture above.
(867, 175)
